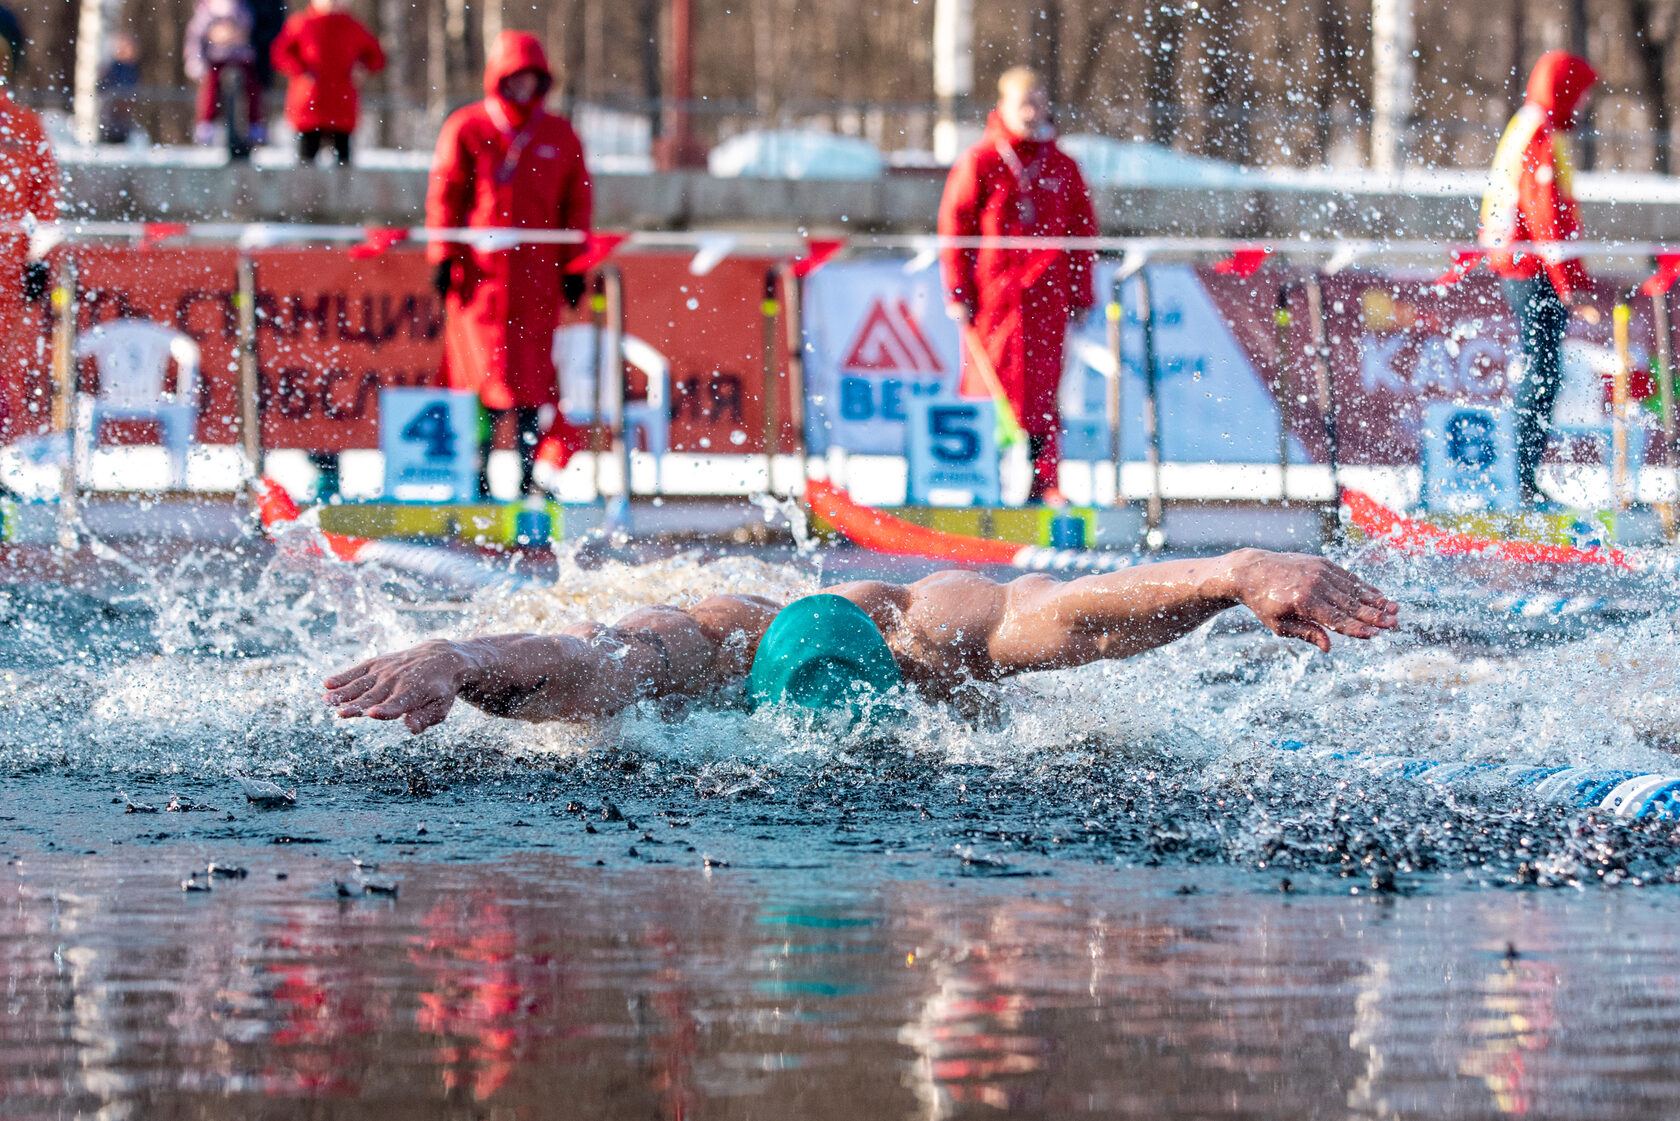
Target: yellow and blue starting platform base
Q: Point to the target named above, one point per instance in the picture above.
(478, 524)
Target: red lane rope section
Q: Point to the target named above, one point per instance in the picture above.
(883, 533)
(275, 507)
(1411, 536)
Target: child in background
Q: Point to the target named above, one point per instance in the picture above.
(119, 78)
(319, 49)
(219, 39)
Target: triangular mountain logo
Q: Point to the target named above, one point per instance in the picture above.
(891, 342)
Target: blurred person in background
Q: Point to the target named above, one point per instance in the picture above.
(506, 161)
(218, 42)
(319, 49)
(1015, 304)
(28, 193)
(119, 80)
(1530, 198)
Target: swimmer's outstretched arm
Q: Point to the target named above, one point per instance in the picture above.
(967, 624)
(589, 669)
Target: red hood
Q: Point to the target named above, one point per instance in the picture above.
(1558, 83)
(512, 52)
(997, 131)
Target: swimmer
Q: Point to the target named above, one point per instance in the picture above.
(826, 650)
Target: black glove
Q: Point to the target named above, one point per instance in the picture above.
(443, 279)
(36, 280)
(572, 286)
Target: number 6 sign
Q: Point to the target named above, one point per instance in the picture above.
(1469, 458)
(952, 448)
(429, 438)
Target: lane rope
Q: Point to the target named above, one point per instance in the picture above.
(1624, 793)
(277, 510)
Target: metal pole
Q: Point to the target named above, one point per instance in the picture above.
(250, 377)
(1620, 316)
(64, 396)
(793, 322)
(612, 378)
(597, 317)
(1151, 413)
(1282, 319)
(1321, 371)
(1116, 348)
(1665, 391)
(772, 310)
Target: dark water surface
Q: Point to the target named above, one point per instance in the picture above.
(1102, 892)
(536, 985)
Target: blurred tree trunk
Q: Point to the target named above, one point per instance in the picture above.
(1586, 124)
(1167, 22)
(1650, 51)
(764, 57)
(1045, 47)
(1516, 83)
(648, 26)
(1229, 85)
(397, 128)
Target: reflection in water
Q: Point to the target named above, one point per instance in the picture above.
(538, 988)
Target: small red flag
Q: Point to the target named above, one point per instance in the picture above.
(153, 232)
(597, 247)
(1668, 271)
(1243, 263)
(377, 241)
(819, 251)
(1463, 261)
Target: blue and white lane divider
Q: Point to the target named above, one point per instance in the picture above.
(1626, 794)
(1565, 607)
(436, 562)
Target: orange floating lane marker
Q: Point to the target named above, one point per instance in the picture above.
(883, 533)
(1409, 535)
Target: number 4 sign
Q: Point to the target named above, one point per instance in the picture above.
(953, 448)
(429, 438)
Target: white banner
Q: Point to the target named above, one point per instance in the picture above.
(875, 336)
(1214, 406)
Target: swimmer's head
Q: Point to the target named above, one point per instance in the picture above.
(821, 652)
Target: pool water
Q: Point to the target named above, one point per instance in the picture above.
(1103, 891)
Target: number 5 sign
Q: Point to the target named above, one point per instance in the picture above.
(953, 447)
(429, 438)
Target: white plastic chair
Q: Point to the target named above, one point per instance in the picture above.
(132, 357)
(647, 423)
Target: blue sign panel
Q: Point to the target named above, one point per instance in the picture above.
(953, 448)
(429, 438)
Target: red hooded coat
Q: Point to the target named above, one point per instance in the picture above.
(1019, 300)
(28, 187)
(499, 164)
(1529, 195)
(320, 52)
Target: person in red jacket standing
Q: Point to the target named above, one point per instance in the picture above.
(1017, 183)
(1529, 199)
(508, 162)
(28, 192)
(319, 49)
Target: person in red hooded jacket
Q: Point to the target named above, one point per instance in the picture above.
(319, 49)
(28, 191)
(1529, 199)
(1017, 183)
(508, 162)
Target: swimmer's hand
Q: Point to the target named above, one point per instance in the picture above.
(1305, 597)
(419, 685)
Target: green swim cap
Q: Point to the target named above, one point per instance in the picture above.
(821, 652)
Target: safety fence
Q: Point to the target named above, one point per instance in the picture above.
(1301, 354)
